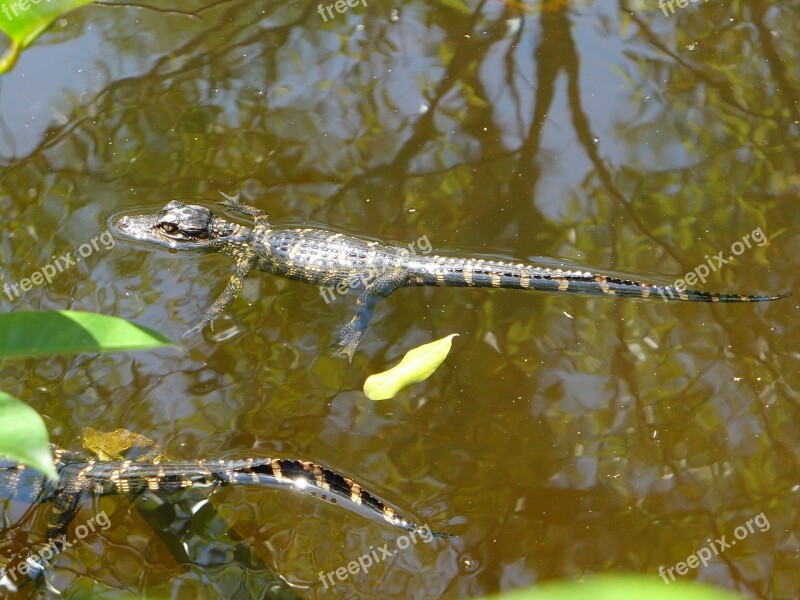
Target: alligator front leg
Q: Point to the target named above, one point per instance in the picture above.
(228, 295)
(35, 564)
(234, 203)
(348, 337)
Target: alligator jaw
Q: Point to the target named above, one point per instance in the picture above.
(142, 228)
(177, 226)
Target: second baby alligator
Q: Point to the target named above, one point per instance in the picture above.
(376, 270)
(81, 478)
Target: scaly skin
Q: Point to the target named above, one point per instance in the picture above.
(328, 259)
(81, 478)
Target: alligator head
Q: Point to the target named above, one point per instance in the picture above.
(179, 226)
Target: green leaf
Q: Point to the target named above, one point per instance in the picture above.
(616, 587)
(23, 436)
(24, 20)
(27, 333)
(417, 365)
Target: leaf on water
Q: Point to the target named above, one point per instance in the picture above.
(28, 333)
(23, 22)
(23, 436)
(120, 444)
(619, 587)
(417, 365)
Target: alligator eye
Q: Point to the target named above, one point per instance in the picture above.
(168, 227)
(194, 234)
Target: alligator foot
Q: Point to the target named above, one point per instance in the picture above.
(197, 327)
(346, 342)
(234, 203)
(347, 337)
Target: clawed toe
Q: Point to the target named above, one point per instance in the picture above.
(196, 328)
(344, 353)
(346, 342)
(234, 204)
(231, 200)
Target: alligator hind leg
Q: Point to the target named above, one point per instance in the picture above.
(227, 296)
(42, 556)
(348, 337)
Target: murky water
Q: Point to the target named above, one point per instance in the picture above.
(564, 435)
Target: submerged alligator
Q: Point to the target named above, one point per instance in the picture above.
(81, 478)
(324, 258)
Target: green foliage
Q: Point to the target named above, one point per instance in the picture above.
(25, 333)
(417, 365)
(23, 435)
(618, 588)
(24, 21)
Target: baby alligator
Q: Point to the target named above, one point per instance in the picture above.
(331, 259)
(81, 478)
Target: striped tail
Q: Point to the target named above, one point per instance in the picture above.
(469, 272)
(322, 483)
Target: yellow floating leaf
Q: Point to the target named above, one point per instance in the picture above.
(417, 365)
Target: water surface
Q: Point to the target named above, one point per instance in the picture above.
(565, 435)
